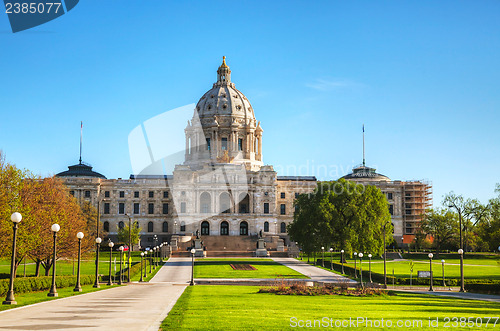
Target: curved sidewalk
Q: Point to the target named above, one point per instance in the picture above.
(138, 306)
(316, 274)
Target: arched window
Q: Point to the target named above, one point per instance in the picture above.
(205, 203)
(225, 202)
(243, 228)
(244, 204)
(205, 228)
(105, 226)
(283, 227)
(266, 226)
(165, 226)
(150, 226)
(224, 228)
(183, 226)
(121, 225)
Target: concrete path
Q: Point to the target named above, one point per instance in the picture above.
(459, 295)
(316, 274)
(138, 306)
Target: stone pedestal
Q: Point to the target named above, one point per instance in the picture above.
(173, 244)
(261, 248)
(281, 245)
(198, 247)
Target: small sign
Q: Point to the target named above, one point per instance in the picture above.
(424, 274)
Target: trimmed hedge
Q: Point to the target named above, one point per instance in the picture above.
(436, 281)
(483, 288)
(32, 284)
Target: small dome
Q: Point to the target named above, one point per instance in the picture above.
(80, 170)
(365, 173)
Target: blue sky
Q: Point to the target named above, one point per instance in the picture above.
(423, 76)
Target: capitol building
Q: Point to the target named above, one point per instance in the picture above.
(223, 187)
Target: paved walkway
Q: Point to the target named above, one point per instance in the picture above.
(316, 274)
(460, 295)
(139, 306)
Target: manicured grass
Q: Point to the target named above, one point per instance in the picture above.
(35, 297)
(220, 268)
(204, 307)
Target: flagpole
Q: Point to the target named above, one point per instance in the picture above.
(363, 145)
(81, 137)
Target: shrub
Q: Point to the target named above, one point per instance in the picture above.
(32, 284)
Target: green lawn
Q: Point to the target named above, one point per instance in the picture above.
(204, 307)
(220, 268)
(24, 299)
(476, 266)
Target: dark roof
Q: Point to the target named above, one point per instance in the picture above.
(365, 172)
(80, 170)
(306, 178)
(151, 176)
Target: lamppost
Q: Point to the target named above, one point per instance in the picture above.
(10, 299)
(161, 253)
(121, 256)
(355, 269)
(442, 264)
(385, 258)
(370, 266)
(430, 268)
(145, 263)
(154, 258)
(192, 266)
(129, 246)
(276, 227)
(78, 287)
(323, 258)
(342, 261)
(331, 258)
(150, 253)
(142, 258)
(97, 244)
(175, 227)
(110, 245)
(53, 291)
(461, 252)
(361, 267)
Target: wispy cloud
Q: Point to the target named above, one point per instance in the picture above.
(321, 84)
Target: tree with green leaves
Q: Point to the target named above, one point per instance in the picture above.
(442, 225)
(489, 228)
(123, 233)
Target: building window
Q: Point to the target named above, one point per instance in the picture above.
(205, 228)
(408, 212)
(136, 194)
(105, 226)
(208, 144)
(243, 228)
(106, 208)
(224, 144)
(165, 226)
(150, 226)
(165, 194)
(106, 194)
(224, 228)
(122, 194)
(266, 208)
(121, 208)
(87, 194)
(72, 193)
(391, 209)
(151, 194)
(165, 208)
(121, 225)
(282, 195)
(407, 205)
(296, 195)
(283, 227)
(183, 207)
(240, 144)
(151, 208)
(183, 227)
(282, 209)
(136, 208)
(389, 196)
(266, 226)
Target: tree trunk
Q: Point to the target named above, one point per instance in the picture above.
(37, 268)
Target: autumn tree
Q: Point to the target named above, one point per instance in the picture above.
(123, 233)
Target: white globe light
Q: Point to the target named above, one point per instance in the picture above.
(80, 235)
(431, 255)
(16, 217)
(193, 250)
(120, 248)
(98, 240)
(442, 261)
(355, 253)
(460, 251)
(142, 254)
(360, 254)
(331, 249)
(322, 248)
(55, 227)
(111, 244)
(369, 255)
(342, 251)
(499, 248)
